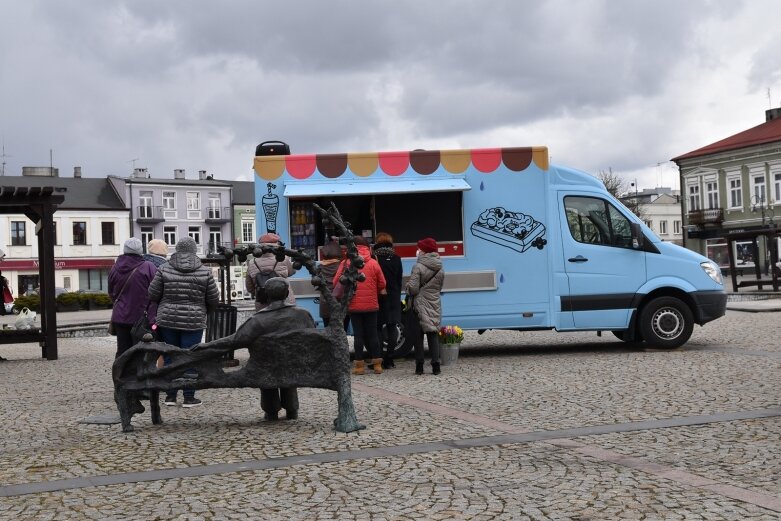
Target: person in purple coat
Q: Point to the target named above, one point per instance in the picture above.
(128, 284)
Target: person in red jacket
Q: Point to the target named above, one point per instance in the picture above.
(363, 308)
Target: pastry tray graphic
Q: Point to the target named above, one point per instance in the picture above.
(519, 244)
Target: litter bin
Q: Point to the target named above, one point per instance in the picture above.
(221, 322)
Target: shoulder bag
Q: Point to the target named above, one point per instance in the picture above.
(111, 330)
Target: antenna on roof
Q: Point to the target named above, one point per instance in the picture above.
(3, 156)
(134, 162)
(769, 99)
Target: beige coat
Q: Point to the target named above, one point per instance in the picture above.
(425, 285)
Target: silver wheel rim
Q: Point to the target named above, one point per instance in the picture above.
(668, 323)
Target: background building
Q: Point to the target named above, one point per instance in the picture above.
(733, 186)
(89, 229)
(168, 209)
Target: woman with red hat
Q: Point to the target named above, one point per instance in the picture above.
(424, 286)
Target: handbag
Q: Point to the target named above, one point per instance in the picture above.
(338, 291)
(110, 329)
(141, 328)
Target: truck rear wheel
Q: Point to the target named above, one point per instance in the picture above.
(666, 323)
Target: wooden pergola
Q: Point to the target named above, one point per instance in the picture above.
(38, 204)
(770, 232)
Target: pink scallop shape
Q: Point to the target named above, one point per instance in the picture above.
(486, 160)
(394, 163)
(302, 166)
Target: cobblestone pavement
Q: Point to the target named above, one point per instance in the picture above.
(536, 425)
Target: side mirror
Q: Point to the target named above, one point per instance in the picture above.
(638, 238)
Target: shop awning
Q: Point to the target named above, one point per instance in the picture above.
(366, 187)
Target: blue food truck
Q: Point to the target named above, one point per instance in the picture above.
(525, 244)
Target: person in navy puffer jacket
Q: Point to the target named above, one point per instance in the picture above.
(364, 306)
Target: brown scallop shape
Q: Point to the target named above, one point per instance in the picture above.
(332, 165)
(517, 159)
(424, 162)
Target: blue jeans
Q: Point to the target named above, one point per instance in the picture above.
(184, 340)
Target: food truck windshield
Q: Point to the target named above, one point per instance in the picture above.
(409, 195)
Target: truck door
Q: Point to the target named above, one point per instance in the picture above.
(603, 269)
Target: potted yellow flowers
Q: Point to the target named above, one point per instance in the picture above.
(450, 338)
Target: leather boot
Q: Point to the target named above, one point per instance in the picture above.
(377, 363)
(435, 368)
(358, 367)
(418, 367)
(387, 363)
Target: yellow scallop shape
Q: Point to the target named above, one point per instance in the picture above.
(363, 165)
(455, 161)
(540, 157)
(269, 167)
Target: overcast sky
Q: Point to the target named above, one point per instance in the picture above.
(624, 84)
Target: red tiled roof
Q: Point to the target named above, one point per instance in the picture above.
(767, 132)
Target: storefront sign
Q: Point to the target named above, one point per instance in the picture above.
(59, 264)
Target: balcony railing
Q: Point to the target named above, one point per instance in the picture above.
(149, 214)
(710, 216)
(215, 214)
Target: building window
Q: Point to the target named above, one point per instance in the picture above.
(214, 206)
(759, 189)
(145, 205)
(66, 283)
(94, 279)
(777, 187)
(107, 233)
(54, 233)
(79, 233)
(169, 235)
(694, 198)
(18, 233)
(716, 250)
(662, 227)
(712, 193)
(195, 233)
(146, 236)
(215, 238)
(247, 231)
(676, 227)
(735, 193)
(169, 200)
(193, 201)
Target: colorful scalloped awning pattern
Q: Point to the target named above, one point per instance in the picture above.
(422, 162)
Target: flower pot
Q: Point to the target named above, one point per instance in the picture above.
(448, 353)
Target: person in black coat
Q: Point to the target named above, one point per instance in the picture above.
(389, 315)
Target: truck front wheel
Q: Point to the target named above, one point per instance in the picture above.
(666, 323)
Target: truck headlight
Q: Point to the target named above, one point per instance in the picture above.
(713, 272)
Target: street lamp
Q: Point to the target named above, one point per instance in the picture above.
(758, 202)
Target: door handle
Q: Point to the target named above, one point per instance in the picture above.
(579, 258)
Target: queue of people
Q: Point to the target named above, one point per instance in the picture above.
(177, 293)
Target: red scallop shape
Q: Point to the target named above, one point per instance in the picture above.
(302, 166)
(487, 160)
(394, 163)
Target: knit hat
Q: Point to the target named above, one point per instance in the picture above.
(133, 246)
(270, 238)
(186, 245)
(427, 245)
(157, 247)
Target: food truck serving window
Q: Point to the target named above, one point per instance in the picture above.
(410, 217)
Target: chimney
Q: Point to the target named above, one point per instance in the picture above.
(140, 173)
(77, 172)
(772, 114)
(202, 175)
(179, 173)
